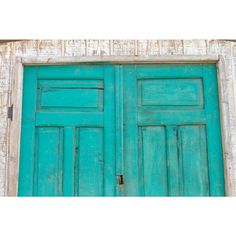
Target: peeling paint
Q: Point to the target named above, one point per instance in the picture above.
(79, 48)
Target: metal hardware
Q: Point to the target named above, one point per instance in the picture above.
(120, 179)
(10, 112)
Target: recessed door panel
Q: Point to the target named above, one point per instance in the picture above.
(89, 162)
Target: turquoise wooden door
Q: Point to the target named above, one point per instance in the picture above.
(115, 130)
(68, 132)
(172, 140)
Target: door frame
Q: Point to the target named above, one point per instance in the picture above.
(17, 92)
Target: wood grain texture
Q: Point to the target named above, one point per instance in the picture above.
(193, 134)
(28, 128)
(144, 59)
(70, 48)
(119, 101)
(154, 164)
(72, 151)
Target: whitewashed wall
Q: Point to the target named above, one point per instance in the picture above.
(57, 48)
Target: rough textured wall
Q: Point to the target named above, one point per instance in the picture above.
(58, 48)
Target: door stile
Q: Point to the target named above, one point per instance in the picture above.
(214, 149)
(119, 130)
(109, 131)
(131, 169)
(27, 148)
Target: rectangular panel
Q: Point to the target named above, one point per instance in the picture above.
(170, 94)
(48, 163)
(71, 98)
(73, 95)
(193, 153)
(89, 162)
(154, 161)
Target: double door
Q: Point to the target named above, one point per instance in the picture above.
(121, 130)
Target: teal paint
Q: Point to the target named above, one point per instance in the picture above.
(86, 128)
(48, 163)
(70, 130)
(69, 160)
(131, 168)
(154, 168)
(90, 166)
(27, 147)
(178, 135)
(119, 128)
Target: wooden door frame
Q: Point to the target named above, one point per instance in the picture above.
(17, 92)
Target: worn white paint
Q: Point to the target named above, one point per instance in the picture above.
(59, 51)
(15, 131)
(119, 59)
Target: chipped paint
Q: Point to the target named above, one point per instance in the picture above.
(226, 51)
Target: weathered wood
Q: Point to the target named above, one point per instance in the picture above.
(161, 105)
(119, 59)
(54, 126)
(75, 51)
(15, 130)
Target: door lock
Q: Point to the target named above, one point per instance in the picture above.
(120, 179)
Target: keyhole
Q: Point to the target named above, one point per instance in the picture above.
(120, 179)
